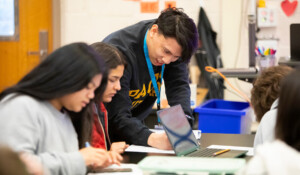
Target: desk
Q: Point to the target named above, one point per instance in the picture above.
(207, 139)
(227, 139)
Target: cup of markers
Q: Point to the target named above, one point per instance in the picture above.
(265, 57)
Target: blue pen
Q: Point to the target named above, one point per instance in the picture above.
(87, 144)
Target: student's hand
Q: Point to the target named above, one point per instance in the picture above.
(160, 141)
(95, 157)
(118, 147)
(115, 157)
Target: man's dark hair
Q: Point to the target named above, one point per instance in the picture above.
(174, 23)
(288, 117)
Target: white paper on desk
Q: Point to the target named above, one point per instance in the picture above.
(135, 170)
(249, 149)
(146, 149)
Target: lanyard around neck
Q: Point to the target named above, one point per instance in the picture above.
(151, 72)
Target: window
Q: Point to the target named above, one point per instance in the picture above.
(9, 20)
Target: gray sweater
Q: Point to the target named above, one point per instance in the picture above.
(36, 127)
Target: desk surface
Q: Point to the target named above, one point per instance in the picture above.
(227, 139)
(245, 140)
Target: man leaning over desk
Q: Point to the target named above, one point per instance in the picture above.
(153, 49)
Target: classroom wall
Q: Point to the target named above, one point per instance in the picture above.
(91, 20)
(234, 41)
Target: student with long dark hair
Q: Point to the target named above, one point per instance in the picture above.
(282, 156)
(47, 113)
(287, 126)
(115, 63)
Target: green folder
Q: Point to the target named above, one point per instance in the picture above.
(190, 165)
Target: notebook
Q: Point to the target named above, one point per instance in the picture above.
(183, 140)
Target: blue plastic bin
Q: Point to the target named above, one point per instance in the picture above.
(221, 116)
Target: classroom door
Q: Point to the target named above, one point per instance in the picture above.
(18, 57)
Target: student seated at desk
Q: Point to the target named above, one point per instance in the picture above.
(36, 114)
(264, 100)
(115, 64)
(282, 156)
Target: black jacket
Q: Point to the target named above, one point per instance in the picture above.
(133, 103)
(209, 55)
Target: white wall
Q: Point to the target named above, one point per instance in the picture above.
(234, 42)
(91, 20)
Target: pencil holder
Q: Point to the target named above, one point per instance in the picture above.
(265, 61)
